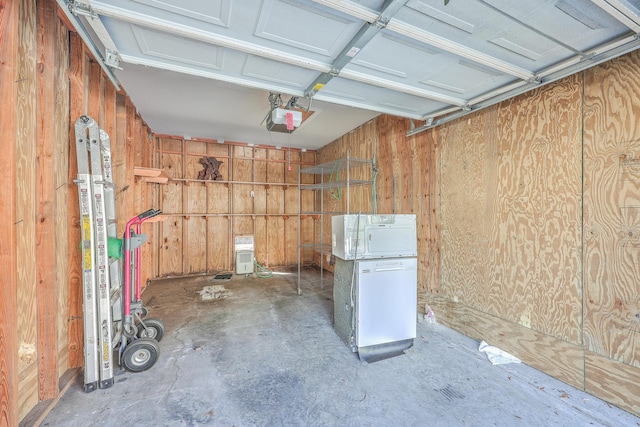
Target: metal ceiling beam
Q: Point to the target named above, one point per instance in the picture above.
(366, 33)
(592, 58)
(621, 12)
(431, 39)
(400, 87)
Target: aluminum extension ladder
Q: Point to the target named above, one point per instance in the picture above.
(100, 273)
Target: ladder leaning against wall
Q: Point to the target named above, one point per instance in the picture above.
(101, 288)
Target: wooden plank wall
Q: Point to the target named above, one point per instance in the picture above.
(406, 183)
(258, 196)
(529, 223)
(47, 80)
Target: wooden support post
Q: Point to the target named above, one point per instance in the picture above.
(8, 278)
(47, 303)
(61, 170)
(77, 107)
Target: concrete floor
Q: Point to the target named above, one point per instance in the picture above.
(260, 355)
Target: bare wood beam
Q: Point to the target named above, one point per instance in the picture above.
(45, 203)
(8, 284)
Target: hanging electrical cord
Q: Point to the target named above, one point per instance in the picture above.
(353, 276)
(374, 195)
(261, 271)
(336, 195)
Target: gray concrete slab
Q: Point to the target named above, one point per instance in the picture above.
(257, 354)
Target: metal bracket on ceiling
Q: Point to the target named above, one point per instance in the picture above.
(535, 80)
(588, 56)
(381, 22)
(112, 58)
(72, 10)
(82, 9)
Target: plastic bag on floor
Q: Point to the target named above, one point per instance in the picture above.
(430, 316)
(497, 356)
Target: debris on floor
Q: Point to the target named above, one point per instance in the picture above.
(497, 356)
(214, 292)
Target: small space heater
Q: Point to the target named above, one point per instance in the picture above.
(244, 254)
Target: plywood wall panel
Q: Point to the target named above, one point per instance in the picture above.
(275, 240)
(613, 381)
(171, 254)
(467, 192)
(219, 151)
(524, 180)
(196, 258)
(242, 164)
(260, 196)
(243, 202)
(218, 198)
(243, 225)
(261, 239)
(218, 244)
(195, 225)
(611, 214)
(537, 234)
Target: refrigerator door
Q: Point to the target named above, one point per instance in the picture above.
(386, 301)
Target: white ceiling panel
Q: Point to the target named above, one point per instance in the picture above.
(285, 75)
(305, 26)
(163, 46)
(217, 12)
(206, 68)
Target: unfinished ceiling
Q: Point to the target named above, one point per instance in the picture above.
(205, 68)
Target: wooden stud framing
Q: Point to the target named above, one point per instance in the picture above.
(77, 107)
(26, 208)
(8, 255)
(61, 168)
(45, 201)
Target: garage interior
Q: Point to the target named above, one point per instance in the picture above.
(507, 129)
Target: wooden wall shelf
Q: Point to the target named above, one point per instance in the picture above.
(151, 174)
